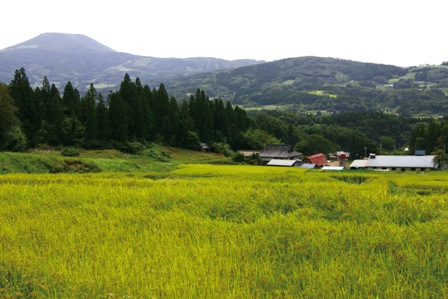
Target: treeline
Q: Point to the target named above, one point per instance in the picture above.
(137, 115)
(134, 113)
(430, 136)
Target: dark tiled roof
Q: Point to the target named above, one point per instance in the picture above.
(279, 151)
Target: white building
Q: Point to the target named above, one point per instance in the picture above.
(395, 163)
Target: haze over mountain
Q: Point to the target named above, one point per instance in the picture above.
(82, 60)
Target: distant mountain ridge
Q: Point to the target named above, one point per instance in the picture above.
(304, 84)
(62, 42)
(327, 85)
(82, 60)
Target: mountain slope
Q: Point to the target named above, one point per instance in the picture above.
(82, 60)
(302, 73)
(327, 84)
(62, 42)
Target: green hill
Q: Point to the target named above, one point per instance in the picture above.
(327, 84)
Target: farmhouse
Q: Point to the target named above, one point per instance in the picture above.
(402, 163)
(319, 160)
(279, 152)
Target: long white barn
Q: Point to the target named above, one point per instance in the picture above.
(396, 163)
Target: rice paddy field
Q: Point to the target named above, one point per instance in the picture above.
(224, 231)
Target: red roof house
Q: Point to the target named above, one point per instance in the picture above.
(319, 159)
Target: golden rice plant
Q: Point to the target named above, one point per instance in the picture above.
(205, 231)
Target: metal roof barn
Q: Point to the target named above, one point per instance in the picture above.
(337, 168)
(288, 163)
(308, 165)
(359, 164)
(395, 162)
(401, 162)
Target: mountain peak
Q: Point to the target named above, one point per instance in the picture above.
(63, 42)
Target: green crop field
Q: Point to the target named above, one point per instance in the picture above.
(224, 231)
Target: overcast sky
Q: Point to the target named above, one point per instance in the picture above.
(398, 32)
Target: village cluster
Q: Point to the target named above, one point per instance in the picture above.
(284, 155)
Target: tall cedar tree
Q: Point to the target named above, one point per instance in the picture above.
(71, 100)
(201, 113)
(221, 121)
(161, 112)
(128, 95)
(50, 131)
(8, 117)
(88, 115)
(139, 113)
(102, 120)
(148, 113)
(29, 108)
(117, 118)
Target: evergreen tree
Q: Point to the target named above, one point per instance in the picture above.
(242, 121)
(11, 137)
(161, 111)
(417, 140)
(234, 135)
(50, 131)
(221, 121)
(72, 132)
(117, 118)
(88, 115)
(102, 120)
(230, 114)
(72, 129)
(44, 95)
(148, 114)
(141, 114)
(71, 100)
(184, 134)
(201, 113)
(433, 132)
(29, 109)
(128, 96)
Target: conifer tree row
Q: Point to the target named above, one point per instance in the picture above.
(134, 113)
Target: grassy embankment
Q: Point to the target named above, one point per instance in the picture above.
(210, 231)
(155, 159)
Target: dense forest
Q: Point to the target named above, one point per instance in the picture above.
(136, 115)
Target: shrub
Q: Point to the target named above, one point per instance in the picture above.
(133, 148)
(238, 157)
(223, 148)
(70, 152)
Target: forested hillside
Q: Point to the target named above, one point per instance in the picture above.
(328, 85)
(136, 116)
